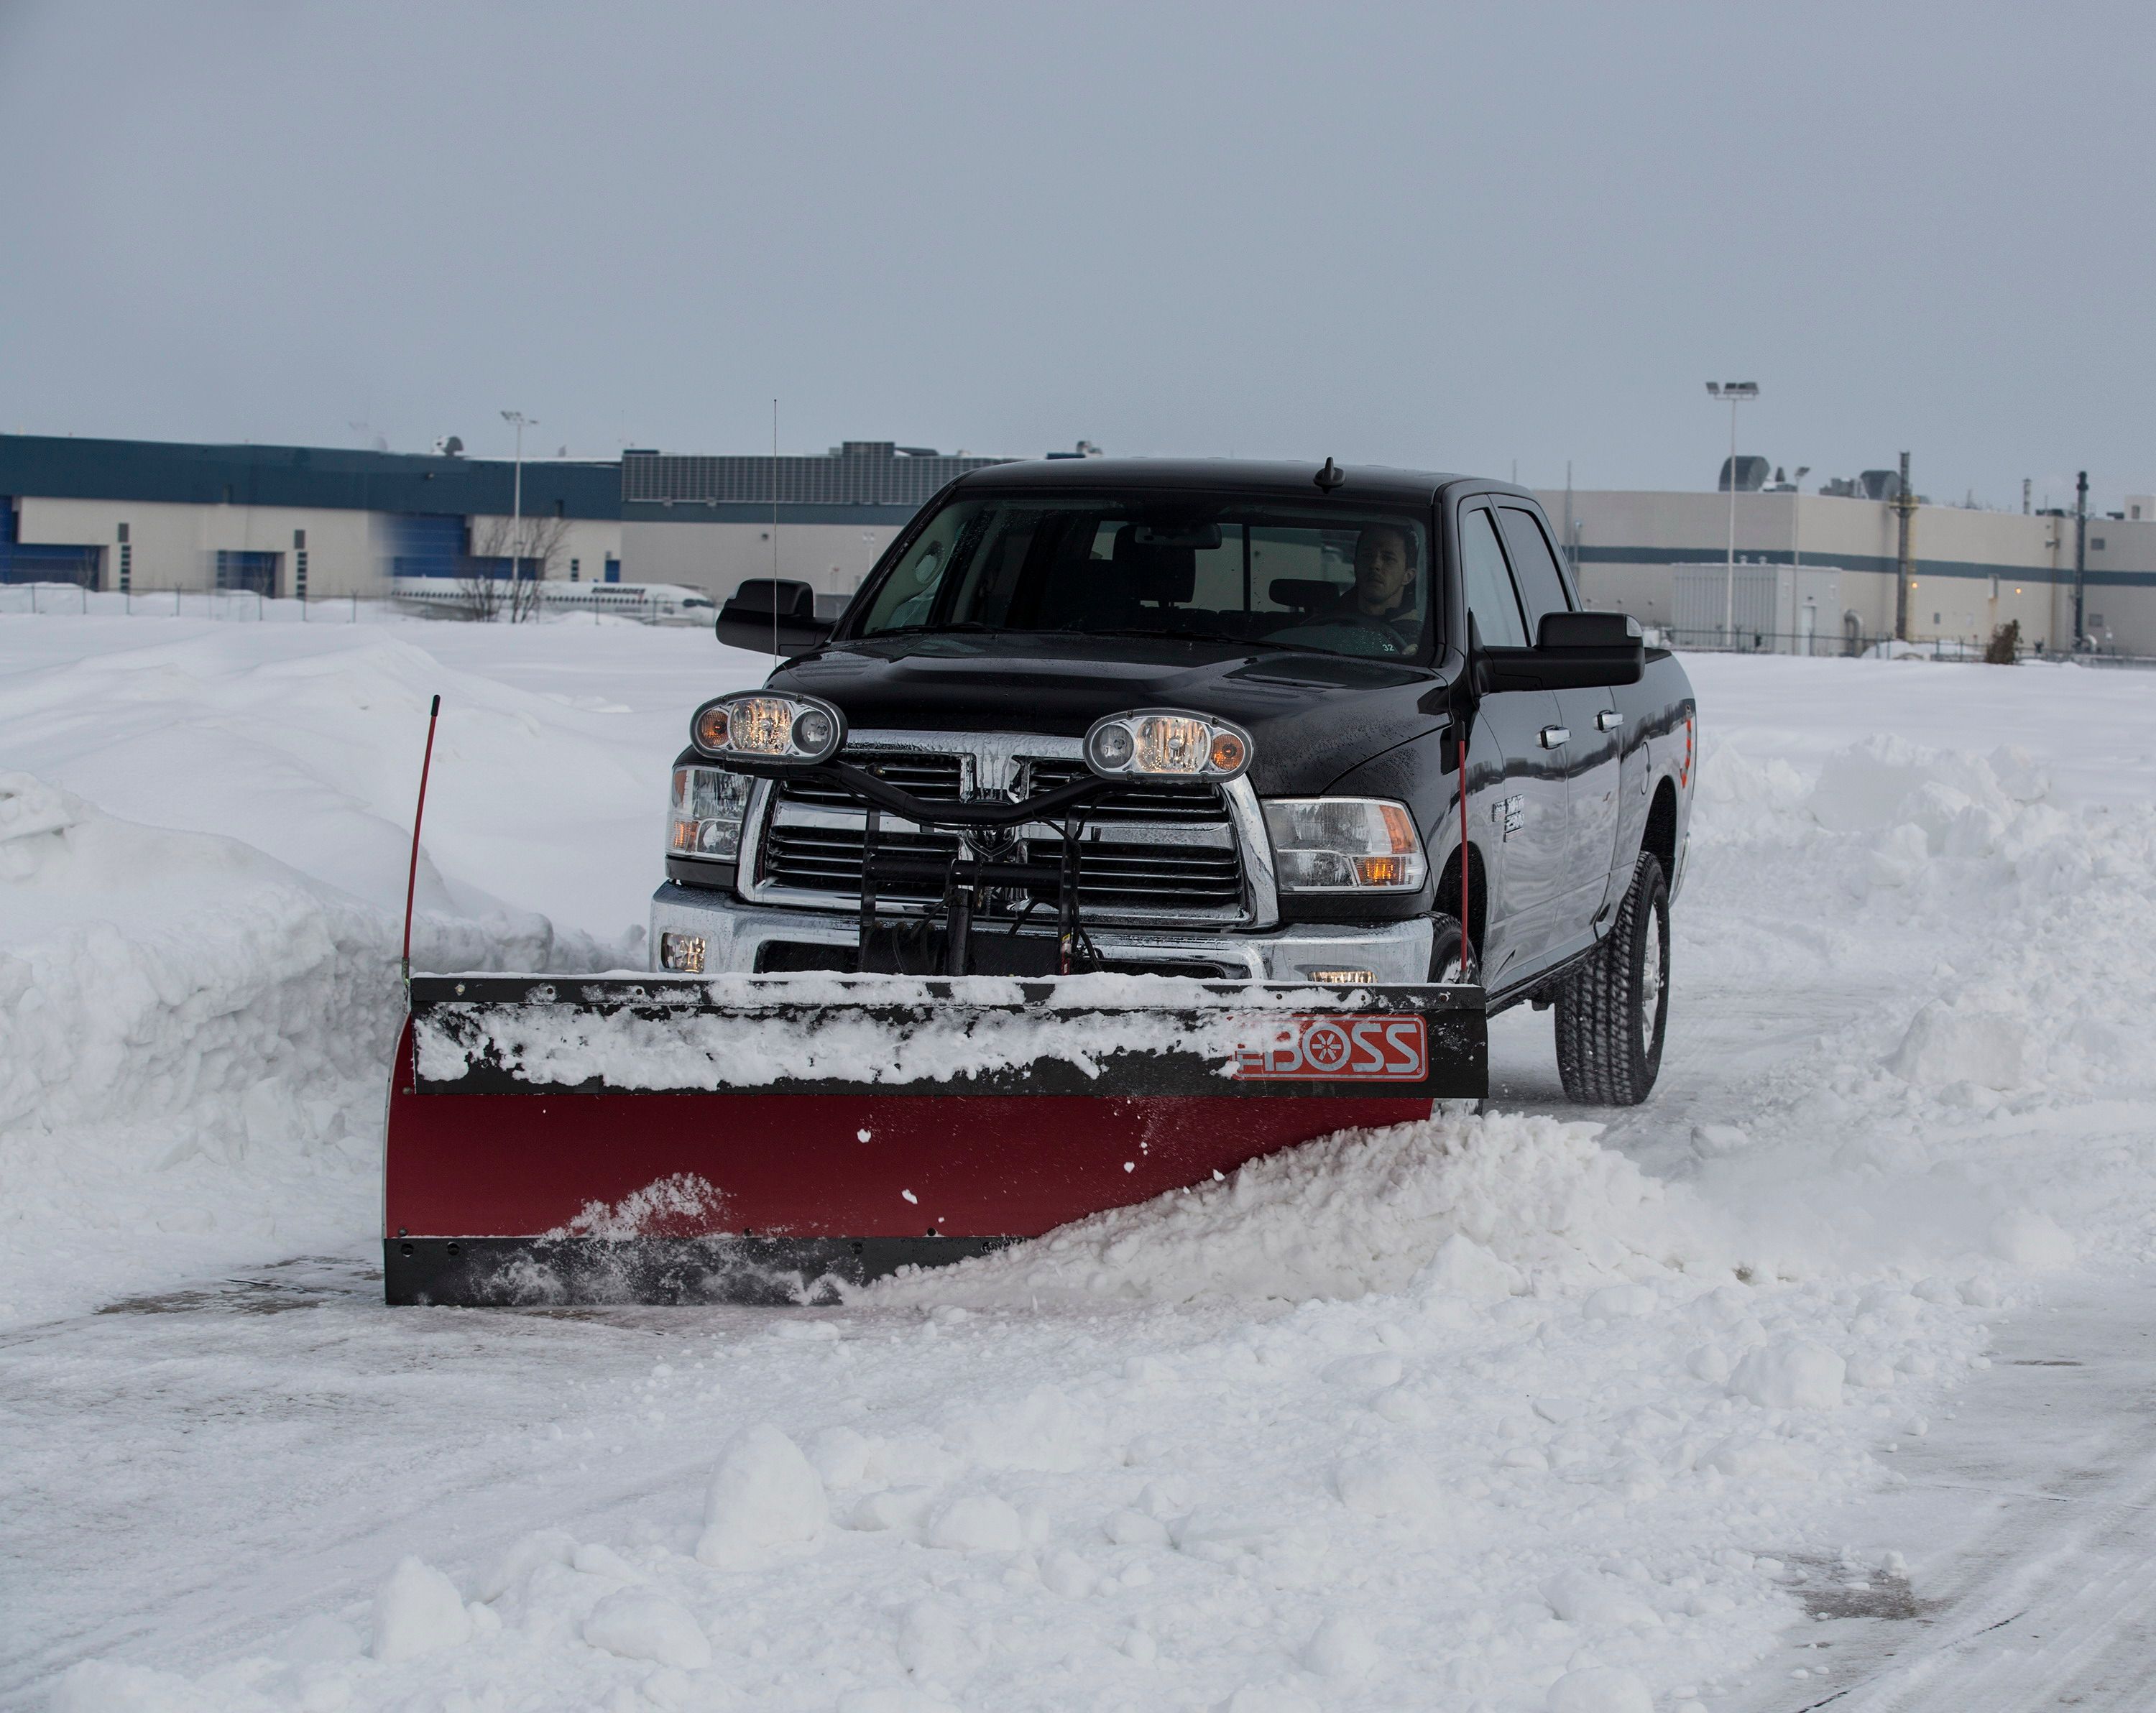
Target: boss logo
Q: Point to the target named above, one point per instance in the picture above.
(1305, 1048)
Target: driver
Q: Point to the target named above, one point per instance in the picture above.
(1384, 586)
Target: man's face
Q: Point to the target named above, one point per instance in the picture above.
(1381, 570)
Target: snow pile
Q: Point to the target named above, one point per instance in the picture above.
(1995, 941)
(305, 744)
(182, 1074)
(195, 1027)
(765, 1499)
(1479, 1207)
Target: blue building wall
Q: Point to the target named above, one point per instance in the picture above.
(22, 563)
(59, 467)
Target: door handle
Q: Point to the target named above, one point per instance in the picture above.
(1609, 720)
(1555, 737)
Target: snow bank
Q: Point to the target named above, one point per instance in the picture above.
(1480, 1208)
(193, 1042)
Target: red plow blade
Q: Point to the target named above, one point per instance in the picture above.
(762, 1139)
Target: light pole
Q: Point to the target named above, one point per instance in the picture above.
(1737, 392)
(516, 500)
(1796, 490)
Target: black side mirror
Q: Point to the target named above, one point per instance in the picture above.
(762, 632)
(772, 616)
(1572, 651)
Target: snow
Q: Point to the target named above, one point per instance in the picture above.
(1543, 1409)
(418, 1611)
(765, 1497)
(637, 1625)
(556, 1045)
(1796, 1374)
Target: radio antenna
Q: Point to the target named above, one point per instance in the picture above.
(411, 875)
(774, 527)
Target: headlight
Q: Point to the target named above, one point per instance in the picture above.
(708, 804)
(1345, 844)
(765, 726)
(1162, 743)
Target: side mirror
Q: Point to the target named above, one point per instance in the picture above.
(772, 616)
(1572, 651)
(761, 632)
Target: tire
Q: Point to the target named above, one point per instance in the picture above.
(1445, 951)
(1612, 1010)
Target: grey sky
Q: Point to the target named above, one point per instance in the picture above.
(1447, 236)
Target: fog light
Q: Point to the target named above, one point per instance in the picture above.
(682, 953)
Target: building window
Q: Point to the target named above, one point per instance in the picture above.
(576, 570)
(238, 570)
(2096, 544)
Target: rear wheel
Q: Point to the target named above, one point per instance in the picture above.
(1612, 1010)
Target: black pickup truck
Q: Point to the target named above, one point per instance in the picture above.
(1277, 665)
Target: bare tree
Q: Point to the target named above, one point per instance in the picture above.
(532, 547)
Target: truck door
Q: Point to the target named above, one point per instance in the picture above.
(1594, 737)
(1518, 802)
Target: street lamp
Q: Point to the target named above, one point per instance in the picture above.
(1737, 392)
(1796, 488)
(516, 499)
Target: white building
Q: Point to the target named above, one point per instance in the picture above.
(1819, 571)
(143, 516)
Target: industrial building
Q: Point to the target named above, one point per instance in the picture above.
(289, 522)
(314, 522)
(710, 523)
(1815, 572)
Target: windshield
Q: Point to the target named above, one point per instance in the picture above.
(1256, 572)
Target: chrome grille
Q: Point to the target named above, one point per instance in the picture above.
(937, 779)
(1151, 853)
(829, 859)
(1111, 873)
(1183, 803)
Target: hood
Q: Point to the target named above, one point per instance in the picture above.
(1311, 716)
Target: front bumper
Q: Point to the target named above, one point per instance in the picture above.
(735, 934)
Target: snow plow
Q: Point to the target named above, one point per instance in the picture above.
(756, 1139)
(974, 1079)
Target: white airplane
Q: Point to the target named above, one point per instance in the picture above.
(649, 603)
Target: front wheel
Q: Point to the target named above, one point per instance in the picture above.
(1445, 947)
(1612, 1010)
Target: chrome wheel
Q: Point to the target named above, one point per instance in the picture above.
(1651, 979)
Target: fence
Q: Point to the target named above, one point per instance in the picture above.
(239, 605)
(436, 599)
(1855, 646)
(1712, 639)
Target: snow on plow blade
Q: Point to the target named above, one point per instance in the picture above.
(758, 1139)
